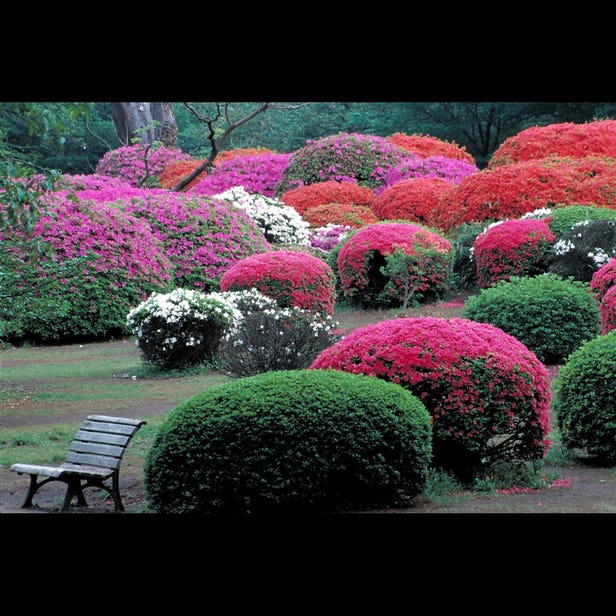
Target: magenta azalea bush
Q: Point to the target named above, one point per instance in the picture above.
(365, 159)
(138, 164)
(259, 173)
(365, 264)
(104, 261)
(607, 308)
(292, 278)
(519, 247)
(487, 393)
(603, 279)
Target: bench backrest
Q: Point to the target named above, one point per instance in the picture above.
(101, 441)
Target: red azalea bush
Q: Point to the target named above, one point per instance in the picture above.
(608, 310)
(364, 159)
(331, 191)
(425, 146)
(225, 155)
(177, 170)
(603, 279)
(487, 393)
(597, 138)
(138, 163)
(346, 214)
(509, 191)
(512, 248)
(292, 278)
(412, 199)
(366, 261)
(257, 173)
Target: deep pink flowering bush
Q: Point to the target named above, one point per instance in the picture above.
(603, 279)
(290, 277)
(138, 164)
(512, 248)
(91, 182)
(202, 237)
(104, 262)
(258, 173)
(412, 199)
(449, 169)
(365, 261)
(487, 393)
(608, 310)
(365, 159)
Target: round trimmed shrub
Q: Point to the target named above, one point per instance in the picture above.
(380, 264)
(292, 278)
(509, 191)
(512, 248)
(552, 316)
(104, 262)
(181, 328)
(425, 146)
(603, 279)
(584, 395)
(256, 174)
(344, 214)
(290, 441)
(582, 250)
(139, 164)
(607, 308)
(330, 191)
(412, 199)
(562, 218)
(487, 393)
(364, 159)
(203, 237)
(597, 138)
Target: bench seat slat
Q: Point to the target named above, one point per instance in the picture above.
(100, 437)
(108, 428)
(119, 420)
(97, 448)
(36, 469)
(93, 460)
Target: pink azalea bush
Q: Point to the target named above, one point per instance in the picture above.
(365, 159)
(487, 393)
(136, 164)
(363, 261)
(603, 279)
(326, 238)
(519, 247)
(258, 173)
(608, 310)
(104, 261)
(412, 199)
(292, 278)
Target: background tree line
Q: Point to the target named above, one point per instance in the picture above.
(72, 137)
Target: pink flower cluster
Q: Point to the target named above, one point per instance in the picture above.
(258, 173)
(135, 163)
(603, 286)
(488, 394)
(512, 248)
(292, 278)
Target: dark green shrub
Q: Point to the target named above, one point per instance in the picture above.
(290, 441)
(552, 316)
(462, 239)
(561, 219)
(585, 398)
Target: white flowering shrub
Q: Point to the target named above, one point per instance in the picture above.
(280, 223)
(582, 250)
(181, 328)
(275, 338)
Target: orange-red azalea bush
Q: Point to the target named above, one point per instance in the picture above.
(331, 191)
(345, 214)
(426, 145)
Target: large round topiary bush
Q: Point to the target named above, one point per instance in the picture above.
(364, 159)
(384, 264)
(305, 197)
(425, 146)
(290, 441)
(552, 316)
(562, 218)
(292, 278)
(512, 248)
(584, 398)
(487, 393)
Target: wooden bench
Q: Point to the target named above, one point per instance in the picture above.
(94, 457)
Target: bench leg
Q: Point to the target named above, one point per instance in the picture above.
(73, 488)
(115, 492)
(33, 488)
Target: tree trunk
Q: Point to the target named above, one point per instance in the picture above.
(146, 122)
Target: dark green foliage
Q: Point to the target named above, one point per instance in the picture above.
(552, 316)
(585, 398)
(290, 441)
(563, 218)
(464, 264)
